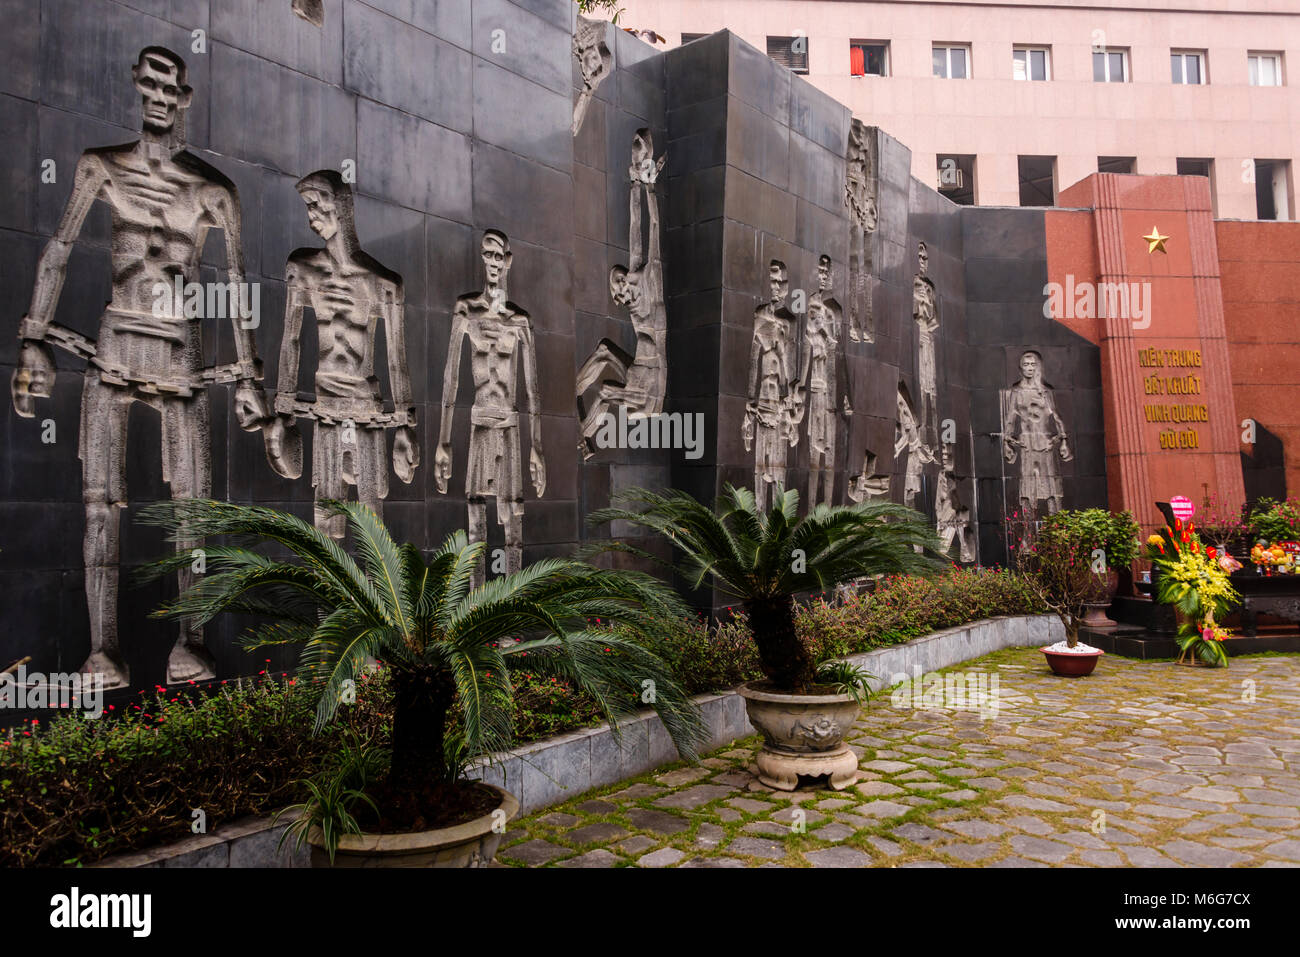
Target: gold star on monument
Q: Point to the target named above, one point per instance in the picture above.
(1156, 241)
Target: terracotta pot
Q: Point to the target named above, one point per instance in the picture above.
(803, 736)
(1069, 665)
(472, 844)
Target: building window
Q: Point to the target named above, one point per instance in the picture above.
(1188, 166)
(691, 37)
(1265, 69)
(1037, 180)
(1187, 67)
(790, 52)
(1031, 63)
(952, 62)
(956, 177)
(868, 58)
(1116, 164)
(1273, 189)
(1110, 66)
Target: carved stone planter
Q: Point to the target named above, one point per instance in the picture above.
(472, 844)
(1096, 616)
(803, 736)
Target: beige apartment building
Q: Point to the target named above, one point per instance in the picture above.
(1008, 102)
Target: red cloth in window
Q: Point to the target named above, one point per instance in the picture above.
(857, 61)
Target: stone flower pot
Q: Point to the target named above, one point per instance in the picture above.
(472, 844)
(1097, 618)
(803, 736)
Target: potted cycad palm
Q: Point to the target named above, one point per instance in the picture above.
(441, 641)
(803, 708)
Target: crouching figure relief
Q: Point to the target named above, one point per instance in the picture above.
(350, 294)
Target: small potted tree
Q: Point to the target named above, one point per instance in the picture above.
(445, 645)
(803, 708)
(1066, 580)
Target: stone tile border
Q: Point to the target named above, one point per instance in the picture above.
(557, 769)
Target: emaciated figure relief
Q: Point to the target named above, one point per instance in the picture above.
(860, 190)
(925, 310)
(953, 516)
(1033, 433)
(775, 407)
(823, 384)
(350, 295)
(500, 334)
(594, 60)
(164, 200)
(908, 438)
(637, 382)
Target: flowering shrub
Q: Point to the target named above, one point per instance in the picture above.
(905, 607)
(1272, 521)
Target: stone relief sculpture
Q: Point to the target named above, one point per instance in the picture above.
(1033, 435)
(908, 438)
(594, 60)
(860, 191)
(500, 336)
(953, 516)
(351, 295)
(823, 384)
(869, 484)
(638, 381)
(313, 11)
(149, 350)
(925, 311)
(775, 409)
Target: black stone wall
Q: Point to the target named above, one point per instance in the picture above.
(457, 116)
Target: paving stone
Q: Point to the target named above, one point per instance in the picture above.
(732, 862)
(1014, 861)
(733, 779)
(664, 857)
(1025, 803)
(637, 844)
(971, 853)
(597, 858)
(749, 805)
(975, 829)
(601, 832)
(787, 815)
(728, 814)
(884, 846)
(838, 857)
(757, 847)
(1203, 855)
(834, 804)
(558, 819)
(597, 806)
(918, 833)
(635, 792)
(709, 836)
(534, 852)
(1287, 849)
(1102, 858)
(693, 797)
(833, 832)
(880, 809)
(770, 828)
(888, 767)
(965, 794)
(1031, 825)
(1040, 848)
(988, 784)
(878, 789)
(661, 822)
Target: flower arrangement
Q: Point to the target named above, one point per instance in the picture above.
(1194, 579)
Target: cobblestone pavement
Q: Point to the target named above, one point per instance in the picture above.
(1143, 764)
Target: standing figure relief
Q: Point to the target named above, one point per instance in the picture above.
(860, 193)
(637, 382)
(351, 295)
(823, 384)
(1033, 435)
(500, 337)
(775, 407)
(908, 438)
(149, 350)
(925, 312)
